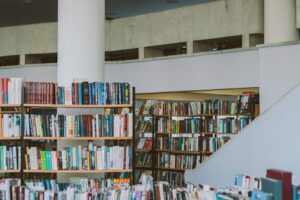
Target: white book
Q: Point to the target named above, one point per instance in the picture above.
(80, 157)
(129, 125)
(4, 158)
(14, 156)
(97, 126)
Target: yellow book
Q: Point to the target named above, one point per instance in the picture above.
(88, 159)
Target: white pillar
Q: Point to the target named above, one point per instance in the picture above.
(81, 32)
(280, 21)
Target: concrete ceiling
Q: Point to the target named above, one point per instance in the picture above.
(18, 12)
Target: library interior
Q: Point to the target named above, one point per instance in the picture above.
(149, 99)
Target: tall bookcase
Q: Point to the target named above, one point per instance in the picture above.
(182, 140)
(51, 141)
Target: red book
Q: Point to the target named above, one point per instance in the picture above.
(286, 178)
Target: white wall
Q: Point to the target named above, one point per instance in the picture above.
(235, 69)
(279, 69)
(271, 141)
(31, 72)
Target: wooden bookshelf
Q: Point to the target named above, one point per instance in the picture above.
(143, 150)
(163, 133)
(143, 167)
(53, 106)
(78, 171)
(77, 138)
(204, 115)
(10, 105)
(185, 152)
(206, 152)
(162, 150)
(9, 171)
(10, 138)
(169, 169)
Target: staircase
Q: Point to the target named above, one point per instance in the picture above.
(271, 141)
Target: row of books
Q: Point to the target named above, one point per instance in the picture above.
(199, 125)
(83, 189)
(117, 125)
(10, 125)
(10, 157)
(79, 93)
(178, 143)
(173, 178)
(89, 157)
(244, 104)
(143, 159)
(142, 126)
(11, 90)
(212, 144)
(145, 143)
(167, 160)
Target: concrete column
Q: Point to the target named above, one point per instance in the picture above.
(280, 21)
(141, 53)
(81, 32)
(189, 47)
(22, 59)
(245, 40)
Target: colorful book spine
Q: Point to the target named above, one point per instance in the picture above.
(115, 125)
(11, 90)
(80, 158)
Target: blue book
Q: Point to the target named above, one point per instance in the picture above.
(260, 195)
(272, 186)
(80, 96)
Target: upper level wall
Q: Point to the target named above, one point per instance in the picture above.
(28, 39)
(203, 21)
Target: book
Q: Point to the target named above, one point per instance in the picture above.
(286, 178)
(80, 92)
(89, 157)
(10, 125)
(114, 125)
(272, 186)
(10, 157)
(11, 90)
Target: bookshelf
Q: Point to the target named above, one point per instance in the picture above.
(191, 132)
(42, 134)
(144, 149)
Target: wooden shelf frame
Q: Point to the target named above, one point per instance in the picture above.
(78, 171)
(10, 105)
(10, 171)
(77, 138)
(53, 106)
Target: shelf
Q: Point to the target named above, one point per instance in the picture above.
(169, 169)
(206, 152)
(9, 171)
(10, 138)
(9, 105)
(162, 150)
(77, 138)
(163, 133)
(52, 106)
(144, 167)
(206, 115)
(143, 150)
(185, 152)
(215, 133)
(78, 171)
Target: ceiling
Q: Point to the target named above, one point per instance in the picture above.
(18, 12)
